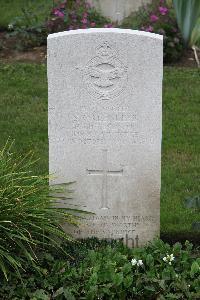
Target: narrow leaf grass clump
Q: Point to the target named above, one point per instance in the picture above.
(29, 219)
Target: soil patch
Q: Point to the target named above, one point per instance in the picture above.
(35, 55)
(174, 237)
(10, 53)
(187, 60)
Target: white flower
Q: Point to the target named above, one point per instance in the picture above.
(172, 257)
(140, 262)
(176, 275)
(133, 262)
(169, 258)
(10, 26)
(165, 258)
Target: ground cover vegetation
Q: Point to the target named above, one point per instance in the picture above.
(23, 117)
(108, 270)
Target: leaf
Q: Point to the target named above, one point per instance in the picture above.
(166, 274)
(172, 296)
(66, 18)
(2, 267)
(128, 280)
(149, 260)
(93, 279)
(195, 268)
(68, 295)
(60, 291)
(126, 268)
(195, 37)
(41, 295)
(177, 247)
(117, 279)
(162, 284)
(187, 12)
(149, 288)
(198, 260)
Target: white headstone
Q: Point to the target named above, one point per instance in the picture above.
(105, 114)
(117, 10)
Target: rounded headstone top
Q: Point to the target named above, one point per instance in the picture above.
(106, 30)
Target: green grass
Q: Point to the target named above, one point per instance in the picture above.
(23, 109)
(181, 147)
(13, 8)
(23, 117)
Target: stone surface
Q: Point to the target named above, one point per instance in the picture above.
(117, 10)
(105, 108)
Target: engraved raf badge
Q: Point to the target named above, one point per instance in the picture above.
(105, 75)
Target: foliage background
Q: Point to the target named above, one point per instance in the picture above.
(103, 270)
(12, 8)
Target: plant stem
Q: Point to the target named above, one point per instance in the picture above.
(194, 48)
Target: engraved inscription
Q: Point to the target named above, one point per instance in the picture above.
(105, 75)
(103, 127)
(105, 172)
(114, 226)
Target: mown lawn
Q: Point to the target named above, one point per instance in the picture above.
(10, 9)
(23, 117)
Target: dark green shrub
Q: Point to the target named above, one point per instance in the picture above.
(29, 29)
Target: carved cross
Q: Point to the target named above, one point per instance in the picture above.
(105, 172)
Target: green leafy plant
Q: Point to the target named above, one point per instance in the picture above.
(188, 17)
(187, 12)
(112, 271)
(195, 36)
(29, 27)
(30, 217)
